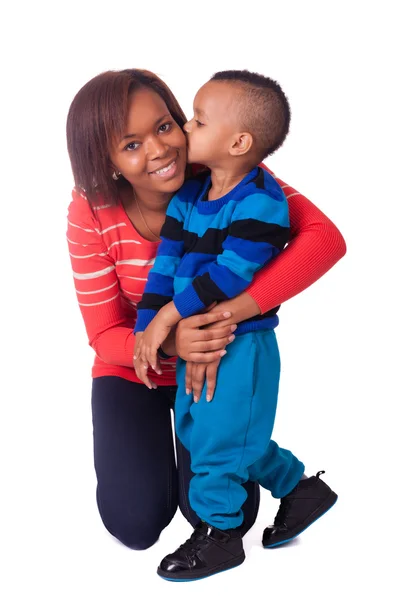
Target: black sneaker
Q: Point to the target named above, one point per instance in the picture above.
(208, 551)
(308, 501)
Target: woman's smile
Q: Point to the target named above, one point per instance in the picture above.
(168, 171)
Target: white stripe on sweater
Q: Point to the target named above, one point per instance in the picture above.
(130, 277)
(111, 227)
(132, 293)
(124, 242)
(137, 262)
(77, 243)
(82, 228)
(130, 302)
(98, 291)
(88, 255)
(93, 275)
(97, 303)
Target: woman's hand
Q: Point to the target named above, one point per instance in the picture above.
(196, 374)
(204, 345)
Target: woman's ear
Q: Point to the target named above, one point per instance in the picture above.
(115, 174)
(241, 144)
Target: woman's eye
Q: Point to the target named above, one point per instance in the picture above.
(132, 146)
(165, 127)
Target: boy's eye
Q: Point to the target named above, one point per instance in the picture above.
(132, 146)
(199, 123)
(165, 127)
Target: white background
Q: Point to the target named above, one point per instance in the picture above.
(339, 339)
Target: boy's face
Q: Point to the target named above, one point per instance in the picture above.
(213, 125)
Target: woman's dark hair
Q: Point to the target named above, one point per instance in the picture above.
(97, 118)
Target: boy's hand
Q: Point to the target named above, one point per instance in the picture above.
(155, 334)
(196, 373)
(150, 341)
(141, 373)
(139, 366)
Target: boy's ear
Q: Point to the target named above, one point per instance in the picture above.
(241, 144)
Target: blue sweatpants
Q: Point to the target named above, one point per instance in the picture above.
(229, 438)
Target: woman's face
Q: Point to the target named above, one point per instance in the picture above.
(152, 153)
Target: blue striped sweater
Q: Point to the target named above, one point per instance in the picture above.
(210, 250)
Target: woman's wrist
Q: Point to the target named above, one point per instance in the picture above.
(242, 307)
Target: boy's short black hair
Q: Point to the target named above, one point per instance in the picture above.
(263, 108)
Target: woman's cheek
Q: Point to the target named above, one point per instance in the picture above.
(181, 142)
(135, 163)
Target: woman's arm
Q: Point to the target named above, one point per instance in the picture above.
(316, 245)
(96, 284)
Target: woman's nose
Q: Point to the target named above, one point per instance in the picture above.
(156, 148)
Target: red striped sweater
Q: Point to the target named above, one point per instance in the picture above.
(111, 261)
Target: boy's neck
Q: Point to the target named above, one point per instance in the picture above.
(223, 180)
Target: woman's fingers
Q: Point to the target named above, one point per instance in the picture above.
(216, 332)
(211, 377)
(207, 318)
(188, 378)
(212, 345)
(206, 357)
(198, 377)
(188, 335)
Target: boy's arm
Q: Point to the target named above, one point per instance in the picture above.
(159, 288)
(258, 231)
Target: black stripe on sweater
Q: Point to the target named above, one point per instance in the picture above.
(259, 231)
(172, 229)
(207, 290)
(153, 301)
(210, 243)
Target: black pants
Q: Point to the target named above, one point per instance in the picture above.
(139, 486)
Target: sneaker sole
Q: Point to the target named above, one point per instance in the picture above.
(327, 505)
(231, 564)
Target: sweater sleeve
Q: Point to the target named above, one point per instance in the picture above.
(316, 246)
(96, 285)
(159, 288)
(258, 230)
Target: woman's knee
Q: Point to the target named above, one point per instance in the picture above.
(134, 535)
(135, 530)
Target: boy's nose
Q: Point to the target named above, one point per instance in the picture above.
(187, 126)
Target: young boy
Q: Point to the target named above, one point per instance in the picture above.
(219, 230)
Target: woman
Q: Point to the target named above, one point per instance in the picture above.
(128, 156)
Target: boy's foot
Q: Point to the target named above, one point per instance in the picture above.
(309, 500)
(208, 551)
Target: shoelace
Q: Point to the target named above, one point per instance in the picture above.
(194, 543)
(283, 511)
